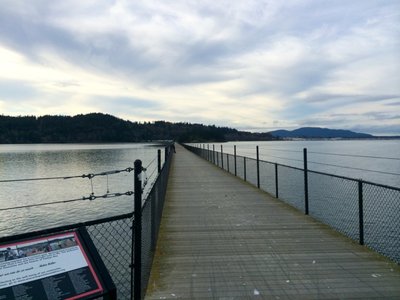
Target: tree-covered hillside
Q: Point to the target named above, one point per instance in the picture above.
(317, 132)
(97, 128)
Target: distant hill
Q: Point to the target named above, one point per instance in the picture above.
(104, 128)
(316, 132)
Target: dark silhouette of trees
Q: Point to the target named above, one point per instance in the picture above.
(104, 128)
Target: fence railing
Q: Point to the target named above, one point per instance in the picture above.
(126, 243)
(366, 212)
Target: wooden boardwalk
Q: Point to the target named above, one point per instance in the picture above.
(221, 238)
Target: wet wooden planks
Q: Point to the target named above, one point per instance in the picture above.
(221, 238)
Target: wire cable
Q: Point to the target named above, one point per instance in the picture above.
(39, 178)
(332, 154)
(90, 176)
(151, 162)
(152, 173)
(91, 198)
(352, 168)
(283, 150)
(285, 158)
(352, 155)
(337, 166)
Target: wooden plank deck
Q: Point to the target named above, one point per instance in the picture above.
(221, 238)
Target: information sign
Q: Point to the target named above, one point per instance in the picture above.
(58, 266)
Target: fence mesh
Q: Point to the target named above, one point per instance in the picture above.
(291, 186)
(334, 201)
(113, 241)
(151, 219)
(251, 170)
(267, 177)
(225, 161)
(382, 220)
(228, 164)
(221, 160)
(147, 243)
(240, 166)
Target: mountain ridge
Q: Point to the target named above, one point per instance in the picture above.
(319, 132)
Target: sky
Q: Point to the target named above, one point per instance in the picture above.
(254, 65)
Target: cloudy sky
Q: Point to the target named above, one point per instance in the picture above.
(255, 65)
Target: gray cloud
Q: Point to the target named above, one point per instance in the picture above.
(122, 104)
(307, 59)
(380, 123)
(393, 103)
(343, 98)
(28, 34)
(378, 129)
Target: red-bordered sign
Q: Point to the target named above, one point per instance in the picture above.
(58, 266)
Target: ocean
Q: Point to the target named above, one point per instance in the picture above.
(370, 160)
(63, 160)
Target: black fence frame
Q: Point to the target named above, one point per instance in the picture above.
(357, 190)
(125, 246)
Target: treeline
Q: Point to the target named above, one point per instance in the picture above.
(104, 128)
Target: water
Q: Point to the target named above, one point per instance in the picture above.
(327, 194)
(53, 160)
(383, 171)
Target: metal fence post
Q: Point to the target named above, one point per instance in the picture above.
(276, 181)
(234, 153)
(132, 264)
(227, 162)
(305, 180)
(222, 157)
(361, 211)
(154, 207)
(166, 153)
(244, 168)
(213, 154)
(137, 264)
(217, 158)
(159, 160)
(258, 167)
(208, 152)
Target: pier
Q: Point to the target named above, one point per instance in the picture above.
(212, 225)
(222, 238)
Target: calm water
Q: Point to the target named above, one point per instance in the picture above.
(319, 156)
(53, 160)
(31, 161)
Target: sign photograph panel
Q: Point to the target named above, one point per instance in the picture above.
(52, 267)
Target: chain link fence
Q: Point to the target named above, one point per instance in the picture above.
(334, 201)
(114, 237)
(291, 186)
(151, 220)
(241, 167)
(364, 211)
(382, 220)
(267, 177)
